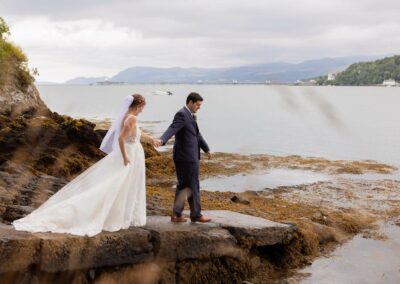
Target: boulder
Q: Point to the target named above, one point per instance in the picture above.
(14, 101)
(240, 199)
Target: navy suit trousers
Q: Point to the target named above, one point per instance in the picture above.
(188, 186)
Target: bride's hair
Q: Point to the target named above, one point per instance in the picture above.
(138, 101)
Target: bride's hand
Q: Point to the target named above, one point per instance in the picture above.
(126, 162)
(156, 142)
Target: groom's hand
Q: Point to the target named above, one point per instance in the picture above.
(209, 155)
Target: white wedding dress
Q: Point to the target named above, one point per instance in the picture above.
(107, 196)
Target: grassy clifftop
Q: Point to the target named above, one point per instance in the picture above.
(18, 94)
(13, 62)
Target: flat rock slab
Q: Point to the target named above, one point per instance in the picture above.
(228, 218)
(250, 229)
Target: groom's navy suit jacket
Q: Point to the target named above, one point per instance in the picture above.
(188, 139)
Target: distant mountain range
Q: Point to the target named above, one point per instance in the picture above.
(86, 80)
(280, 72)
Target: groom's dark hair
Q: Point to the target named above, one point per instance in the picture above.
(194, 97)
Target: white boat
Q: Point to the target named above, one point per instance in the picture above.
(162, 92)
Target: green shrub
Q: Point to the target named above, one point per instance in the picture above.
(4, 29)
(13, 61)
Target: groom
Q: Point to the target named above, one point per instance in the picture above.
(186, 154)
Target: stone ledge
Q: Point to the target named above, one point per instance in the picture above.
(60, 252)
(222, 250)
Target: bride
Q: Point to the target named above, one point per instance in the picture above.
(110, 195)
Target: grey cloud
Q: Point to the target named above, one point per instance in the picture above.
(219, 17)
(209, 33)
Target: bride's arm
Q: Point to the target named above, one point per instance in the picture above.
(129, 124)
(147, 138)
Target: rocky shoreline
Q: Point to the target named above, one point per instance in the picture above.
(40, 151)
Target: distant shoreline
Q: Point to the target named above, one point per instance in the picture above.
(200, 84)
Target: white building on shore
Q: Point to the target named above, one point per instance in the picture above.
(331, 77)
(389, 83)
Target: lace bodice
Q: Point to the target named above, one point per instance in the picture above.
(134, 136)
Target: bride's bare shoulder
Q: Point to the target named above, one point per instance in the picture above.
(130, 120)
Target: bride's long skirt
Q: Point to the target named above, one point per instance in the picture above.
(107, 196)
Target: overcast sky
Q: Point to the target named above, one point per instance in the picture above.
(66, 39)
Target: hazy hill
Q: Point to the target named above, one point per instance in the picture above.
(259, 73)
(86, 80)
(278, 71)
(367, 73)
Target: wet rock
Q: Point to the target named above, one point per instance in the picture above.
(240, 199)
(13, 212)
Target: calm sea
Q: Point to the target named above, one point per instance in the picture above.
(353, 123)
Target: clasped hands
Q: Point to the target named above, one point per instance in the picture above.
(156, 142)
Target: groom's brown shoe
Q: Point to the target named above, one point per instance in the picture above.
(177, 219)
(201, 219)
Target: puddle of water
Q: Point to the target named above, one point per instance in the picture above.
(281, 177)
(360, 261)
(371, 176)
(258, 181)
